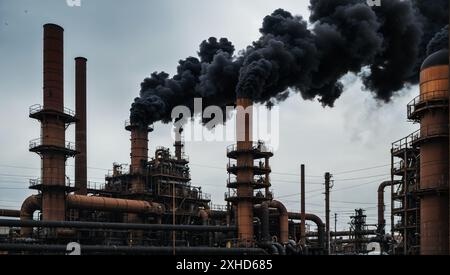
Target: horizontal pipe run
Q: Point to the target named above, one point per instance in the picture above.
(86, 249)
(118, 226)
(9, 213)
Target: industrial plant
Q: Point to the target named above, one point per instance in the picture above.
(151, 207)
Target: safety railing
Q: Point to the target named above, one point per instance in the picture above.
(257, 146)
(232, 194)
(430, 131)
(426, 97)
(50, 181)
(217, 207)
(128, 123)
(37, 108)
(256, 165)
(95, 185)
(49, 142)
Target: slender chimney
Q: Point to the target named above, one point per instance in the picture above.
(80, 130)
(52, 147)
(178, 144)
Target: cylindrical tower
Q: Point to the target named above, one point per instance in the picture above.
(431, 110)
(139, 154)
(80, 127)
(54, 118)
(244, 171)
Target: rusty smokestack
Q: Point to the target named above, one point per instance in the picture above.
(53, 119)
(432, 111)
(80, 127)
(139, 154)
(245, 173)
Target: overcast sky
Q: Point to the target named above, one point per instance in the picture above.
(125, 41)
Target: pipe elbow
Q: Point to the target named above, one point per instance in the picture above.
(29, 206)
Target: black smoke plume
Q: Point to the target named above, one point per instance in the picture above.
(439, 41)
(384, 45)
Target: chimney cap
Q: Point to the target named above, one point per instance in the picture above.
(51, 25)
(436, 59)
(81, 58)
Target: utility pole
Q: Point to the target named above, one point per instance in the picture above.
(303, 208)
(327, 210)
(335, 231)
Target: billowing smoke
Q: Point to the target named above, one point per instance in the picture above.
(384, 45)
(439, 41)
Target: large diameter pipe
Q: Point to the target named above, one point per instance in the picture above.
(80, 127)
(315, 219)
(29, 207)
(113, 205)
(134, 250)
(381, 205)
(283, 220)
(9, 213)
(116, 226)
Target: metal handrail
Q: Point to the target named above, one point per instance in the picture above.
(36, 182)
(430, 131)
(36, 108)
(255, 165)
(259, 146)
(233, 194)
(425, 97)
(40, 142)
(128, 124)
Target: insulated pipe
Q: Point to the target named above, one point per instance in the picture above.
(114, 205)
(136, 250)
(29, 206)
(80, 126)
(116, 226)
(381, 206)
(283, 220)
(9, 213)
(315, 219)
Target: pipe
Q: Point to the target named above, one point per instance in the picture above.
(315, 219)
(264, 214)
(345, 233)
(116, 226)
(9, 213)
(114, 205)
(29, 206)
(136, 250)
(283, 220)
(269, 246)
(280, 248)
(80, 126)
(203, 216)
(381, 206)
